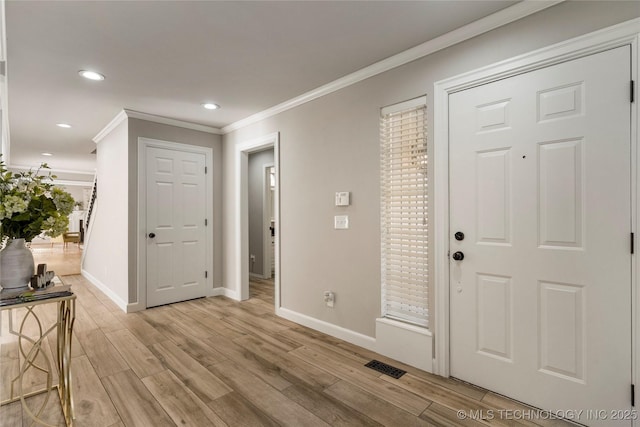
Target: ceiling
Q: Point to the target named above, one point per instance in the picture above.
(168, 57)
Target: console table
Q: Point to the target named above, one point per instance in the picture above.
(32, 346)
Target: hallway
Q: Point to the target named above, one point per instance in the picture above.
(214, 361)
(62, 260)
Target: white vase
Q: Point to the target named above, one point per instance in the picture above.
(16, 265)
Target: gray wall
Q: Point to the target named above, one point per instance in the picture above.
(145, 129)
(332, 144)
(256, 214)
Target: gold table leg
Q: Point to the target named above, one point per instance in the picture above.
(64, 329)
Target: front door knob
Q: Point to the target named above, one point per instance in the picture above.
(152, 235)
(459, 236)
(458, 256)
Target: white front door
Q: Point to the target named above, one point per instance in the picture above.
(176, 236)
(540, 186)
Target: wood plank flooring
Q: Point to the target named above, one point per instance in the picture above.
(217, 362)
(60, 259)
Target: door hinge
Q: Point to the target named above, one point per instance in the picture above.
(633, 395)
(206, 274)
(633, 91)
(205, 170)
(632, 242)
(206, 222)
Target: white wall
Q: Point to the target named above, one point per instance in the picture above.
(106, 261)
(332, 144)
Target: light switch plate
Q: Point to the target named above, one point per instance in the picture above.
(341, 222)
(342, 198)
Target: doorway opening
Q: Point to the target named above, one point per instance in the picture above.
(261, 197)
(249, 261)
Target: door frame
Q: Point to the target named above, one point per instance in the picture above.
(266, 219)
(241, 219)
(141, 234)
(622, 34)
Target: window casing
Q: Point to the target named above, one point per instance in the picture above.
(404, 210)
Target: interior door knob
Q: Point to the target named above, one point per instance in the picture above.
(152, 235)
(458, 256)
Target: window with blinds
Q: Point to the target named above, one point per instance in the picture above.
(404, 202)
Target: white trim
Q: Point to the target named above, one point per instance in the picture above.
(241, 222)
(141, 236)
(216, 292)
(266, 221)
(119, 118)
(126, 114)
(221, 291)
(3, 33)
(407, 343)
(635, 215)
(75, 172)
(70, 183)
(104, 289)
(5, 135)
(172, 122)
(488, 23)
(625, 33)
(132, 307)
(348, 335)
(256, 275)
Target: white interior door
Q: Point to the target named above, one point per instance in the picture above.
(176, 236)
(540, 185)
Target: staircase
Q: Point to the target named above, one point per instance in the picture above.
(87, 231)
(92, 202)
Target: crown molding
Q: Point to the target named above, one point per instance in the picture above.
(488, 23)
(131, 114)
(75, 172)
(173, 122)
(119, 118)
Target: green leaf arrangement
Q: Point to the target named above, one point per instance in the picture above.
(31, 204)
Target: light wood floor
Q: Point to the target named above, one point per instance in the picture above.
(60, 259)
(216, 362)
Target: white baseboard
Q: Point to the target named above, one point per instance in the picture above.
(407, 343)
(222, 291)
(216, 292)
(328, 328)
(135, 306)
(108, 292)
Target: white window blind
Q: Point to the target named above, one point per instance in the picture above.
(404, 202)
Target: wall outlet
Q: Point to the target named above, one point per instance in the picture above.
(341, 222)
(329, 298)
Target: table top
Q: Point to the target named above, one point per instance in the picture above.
(27, 297)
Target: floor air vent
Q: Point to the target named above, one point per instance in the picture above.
(385, 369)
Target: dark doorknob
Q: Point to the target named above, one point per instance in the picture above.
(459, 235)
(152, 235)
(458, 256)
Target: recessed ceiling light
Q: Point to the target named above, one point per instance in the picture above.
(63, 125)
(211, 106)
(47, 154)
(91, 75)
